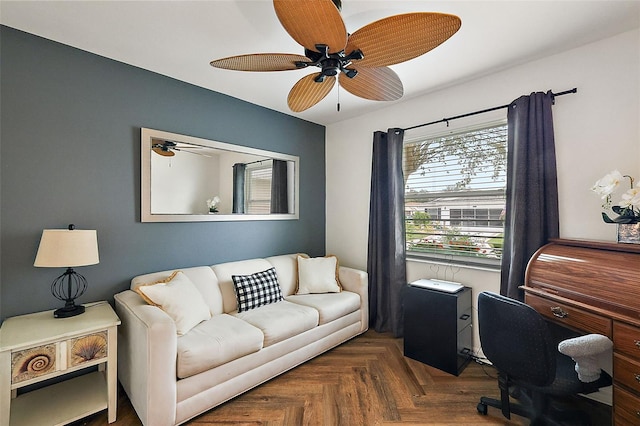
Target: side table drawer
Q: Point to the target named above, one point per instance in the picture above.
(627, 372)
(570, 316)
(55, 358)
(626, 339)
(92, 347)
(626, 407)
(34, 362)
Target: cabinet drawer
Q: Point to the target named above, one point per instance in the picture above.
(34, 362)
(626, 407)
(464, 319)
(84, 349)
(627, 372)
(570, 316)
(626, 339)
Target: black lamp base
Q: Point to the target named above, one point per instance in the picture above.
(68, 287)
(68, 311)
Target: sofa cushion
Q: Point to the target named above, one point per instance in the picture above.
(330, 306)
(255, 290)
(217, 341)
(179, 298)
(287, 269)
(281, 320)
(318, 275)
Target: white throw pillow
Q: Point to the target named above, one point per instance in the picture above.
(179, 298)
(318, 275)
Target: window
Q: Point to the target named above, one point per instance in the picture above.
(258, 187)
(455, 195)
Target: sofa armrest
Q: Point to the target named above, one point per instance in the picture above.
(147, 351)
(357, 281)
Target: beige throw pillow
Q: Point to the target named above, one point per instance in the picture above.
(179, 298)
(318, 275)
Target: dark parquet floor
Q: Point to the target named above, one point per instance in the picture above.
(366, 381)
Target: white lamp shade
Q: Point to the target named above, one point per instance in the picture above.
(62, 248)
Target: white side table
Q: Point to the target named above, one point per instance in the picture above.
(38, 347)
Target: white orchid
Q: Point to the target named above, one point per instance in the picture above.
(631, 197)
(605, 186)
(625, 209)
(213, 204)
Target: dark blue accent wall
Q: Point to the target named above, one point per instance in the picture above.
(70, 153)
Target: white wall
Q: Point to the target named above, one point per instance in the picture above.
(182, 184)
(596, 130)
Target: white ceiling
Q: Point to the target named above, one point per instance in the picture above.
(180, 38)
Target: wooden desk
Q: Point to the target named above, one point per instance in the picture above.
(37, 347)
(594, 287)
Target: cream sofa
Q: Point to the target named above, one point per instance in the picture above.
(172, 378)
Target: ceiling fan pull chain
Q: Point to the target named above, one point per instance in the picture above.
(338, 106)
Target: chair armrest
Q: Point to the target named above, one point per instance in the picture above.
(147, 352)
(356, 281)
(592, 353)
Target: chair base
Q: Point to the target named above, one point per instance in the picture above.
(555, 416)
(485, 403)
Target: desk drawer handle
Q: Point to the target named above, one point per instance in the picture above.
(558, 312)
(637, 343)
(637, 376)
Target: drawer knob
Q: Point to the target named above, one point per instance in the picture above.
(637, 376)
(637, 343)
(557, 311)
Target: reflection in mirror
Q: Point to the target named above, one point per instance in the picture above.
(192, 179)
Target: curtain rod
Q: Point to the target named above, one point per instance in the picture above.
(254, 162)
(446, 120)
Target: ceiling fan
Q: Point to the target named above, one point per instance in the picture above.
(168, 148)
(361, 59)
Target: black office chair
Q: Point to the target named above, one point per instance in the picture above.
(518, 342)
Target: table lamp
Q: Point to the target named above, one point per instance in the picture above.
(67, 248)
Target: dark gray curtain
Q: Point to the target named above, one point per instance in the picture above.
(239, 170)
(279, 189)
(386, 262)
(532, 189)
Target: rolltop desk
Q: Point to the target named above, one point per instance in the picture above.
(594, 287)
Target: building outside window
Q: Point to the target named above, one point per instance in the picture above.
(455, 195)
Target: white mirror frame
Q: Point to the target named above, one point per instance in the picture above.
(147, 135)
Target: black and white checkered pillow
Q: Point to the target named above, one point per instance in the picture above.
(257, 289)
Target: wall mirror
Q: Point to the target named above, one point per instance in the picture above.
(189, 179)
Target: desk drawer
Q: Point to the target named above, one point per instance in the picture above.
(627, 372)
(626, 407)
(626, 339)
(569, 316)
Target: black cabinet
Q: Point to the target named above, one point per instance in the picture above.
(437, 328)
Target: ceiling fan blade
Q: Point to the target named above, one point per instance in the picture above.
(191, 152)
(313, 22)
(376, 84)
(260, 62)
(162, 152)
(399, 38)
(307, 92)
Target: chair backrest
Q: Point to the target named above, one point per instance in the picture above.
(516, 339)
